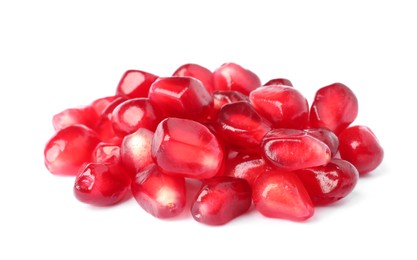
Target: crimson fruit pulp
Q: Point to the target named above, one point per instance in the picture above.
(182, 97)
(335, 107)
(279, 81)
(242, 141)
(329, 183)
(291, 149)
(283, 106)
(161, 195)
(221, 199)
(280, 194)
(231, 76)
(241, 126)
(69, 149)
(359, 145)
(186, 148)
(198, 72)
(135, 84)
(102, 184)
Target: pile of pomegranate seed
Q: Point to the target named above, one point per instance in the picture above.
(243, 141)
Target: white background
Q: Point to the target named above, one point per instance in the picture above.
(59, 55)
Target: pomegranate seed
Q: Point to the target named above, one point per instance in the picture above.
(329, 183)
(135, 84)
(279, 81)
(182, 97)
(100, 105)
(73, 116)
(231, 76)
(102, 184)
(223, 97)
(246, 167)
(359, 146)
(280, 194)
(104, 127)
(106, 153)
(135, 150)
(327, 137)
(241, 126)
(283, 106)
(161, 195)
(220, 200)
(198, 72)
(292, 149)
(186, 148)
(334, 107)
(133, 114)
(69, 149)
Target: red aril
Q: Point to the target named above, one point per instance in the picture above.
(182, 97)
(135, 150)
(279, 81)
(220, 200)
(359, 146)
(231, 76)
(69, 149)
(198, 72)
(135, 84)
(283, 106)
(329, 183)
(102, 184)
(334, 107)
(72, 116)
(327, 137)
(223, 97)
(160, 195)
(280, 194)
(133, 114)
(100, 105)
(247, 167)
(291, 149)
(241, 126)
(186, 148)
(106, 153)
(104, 127)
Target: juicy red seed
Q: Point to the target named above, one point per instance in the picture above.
(246, 167)
(294, 149)
(241, 126)
(186, 148)
(283, 106)
(161, 195)
(102, 184)
(104, 127)
(135, 84)
(279, 81)
(334, 107)
(133, 114)
(327, 137)
(231, 76)
(280, 194)
(106, 153)
(182, 97)
(220, 200)
(99, 105)
(223, 97)
(360, 146)
(73, 116)
(69, 149)
(198, 72)
(135, 150)
(329, 183)
(105, 131)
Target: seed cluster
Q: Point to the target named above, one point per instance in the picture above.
(243, 141)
